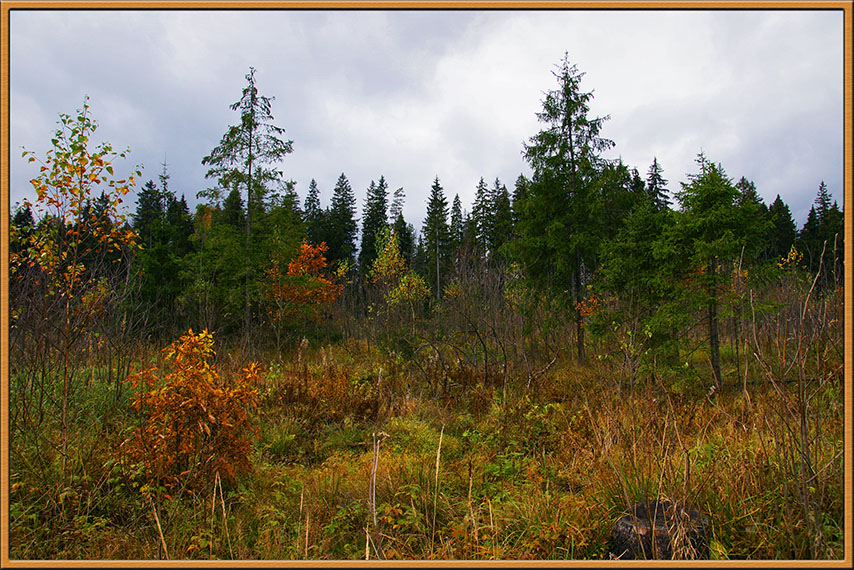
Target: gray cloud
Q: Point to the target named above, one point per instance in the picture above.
(415, 94)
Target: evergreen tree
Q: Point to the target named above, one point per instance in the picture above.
(618, 194)
(437, 238)
(480, 214)
(405, 234)
(637, 186)
(747, 193)
(822, 201)
(823, 231)
(341, 223)
(641, 271)
(374, 219)
(149, 213)
(717, 230)
(502, 219)
(783, 230)
(396, 204)
(232, 210)
(240, 159)
(520, 194)
(23, 220)
(656, 185)
(419, 259)
(313, 215)
(556, 246)
(456, 222)
(180, 224)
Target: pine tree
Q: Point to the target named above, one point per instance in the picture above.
(405, 234)
(718, 229)
(374, 219)
(313, 214)
(437, 238)
(555, 245)
(240, 158)
(480, 214)
(396, 204)
(502, 220)
(656, 185)
(456, 222)
(783, 231)
(342, 226)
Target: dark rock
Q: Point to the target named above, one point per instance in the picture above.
(680, 533)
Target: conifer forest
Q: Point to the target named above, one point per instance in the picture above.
(260, 377)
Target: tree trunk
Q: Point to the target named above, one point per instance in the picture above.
(714, 340)
(578, 325)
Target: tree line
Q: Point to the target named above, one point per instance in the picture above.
(585, 246)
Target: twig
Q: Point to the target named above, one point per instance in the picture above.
(159, 530)
(436, 493)
(224, 519)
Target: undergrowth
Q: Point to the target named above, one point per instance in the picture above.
(541, 472)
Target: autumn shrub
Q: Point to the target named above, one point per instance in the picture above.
(325, 393)
(194, 424)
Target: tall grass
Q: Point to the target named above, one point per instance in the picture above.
(533, 474)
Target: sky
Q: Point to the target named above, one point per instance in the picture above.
(416, 94)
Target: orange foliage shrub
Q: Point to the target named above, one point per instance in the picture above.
(306, 288)
(194, 425)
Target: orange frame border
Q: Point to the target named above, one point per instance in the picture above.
(847, 7)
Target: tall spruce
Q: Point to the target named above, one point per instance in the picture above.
(555, 245)
(341, 223)
(374, 219)
(823, 231)
(502, 220)
(480, 215)
(313, 214)
(717, 230)
(437, 239)
(456, 222)
(246, 157)
(656, 185)
(783, 232)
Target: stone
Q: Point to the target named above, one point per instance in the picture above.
(679, 533)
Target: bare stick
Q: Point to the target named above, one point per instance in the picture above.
(436, 493)
(159, 530)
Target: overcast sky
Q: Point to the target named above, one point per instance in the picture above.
(416, 94)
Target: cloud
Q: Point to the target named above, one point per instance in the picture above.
(414, 94)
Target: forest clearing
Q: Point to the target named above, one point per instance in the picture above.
(260, 380)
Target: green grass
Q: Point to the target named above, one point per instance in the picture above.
(541, 476)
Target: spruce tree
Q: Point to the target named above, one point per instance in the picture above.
(502, 220)
(341, 223)
(480, 213)
(374, 219)
(456, 222)
(313, 214)
(437, 238)
(246, 158)
(656, 185)
(556, 246)
(405, 234)
(717, 230)
(783, 231)
(520, 194)
(149, 213)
